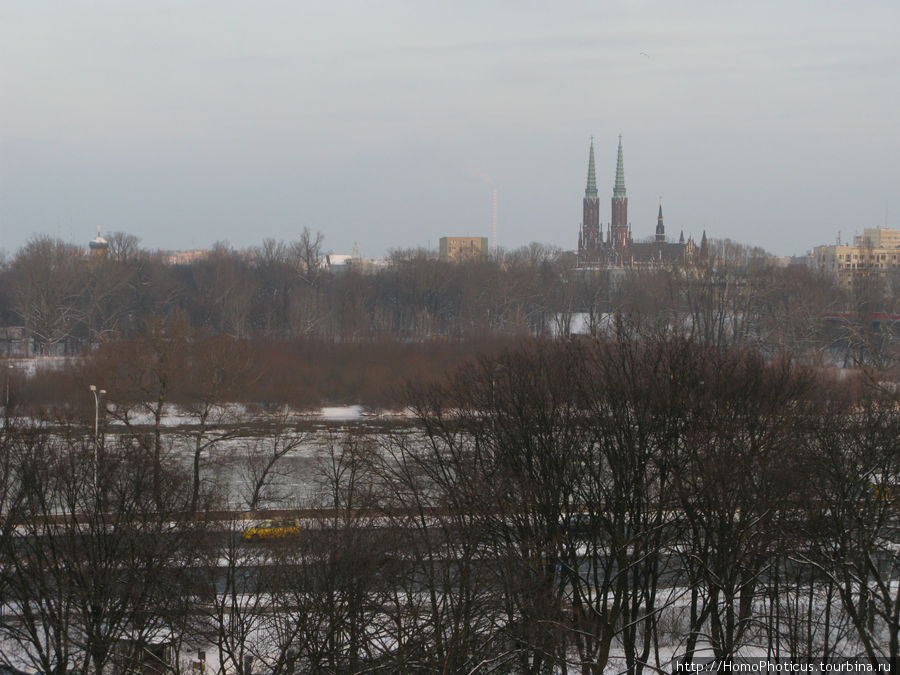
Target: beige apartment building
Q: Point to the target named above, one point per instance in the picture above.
(878, 238)
(875, 250)
(463, 248)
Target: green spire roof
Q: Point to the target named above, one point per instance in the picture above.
(590, 192)
(619, 190)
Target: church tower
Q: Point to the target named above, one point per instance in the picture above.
(590, 238)
(98, 246)
(619, 226)
(660, 228)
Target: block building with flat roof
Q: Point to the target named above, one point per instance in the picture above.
(458, 249)
(875, 251)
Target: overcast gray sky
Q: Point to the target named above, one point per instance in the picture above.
(388, 123)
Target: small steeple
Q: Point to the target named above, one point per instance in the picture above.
(619, 190)
(660, 228)
(590, 192)
(681, 238)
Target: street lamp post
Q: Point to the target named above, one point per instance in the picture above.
(97, 394)
(9, 369)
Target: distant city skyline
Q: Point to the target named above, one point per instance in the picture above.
(390, 124)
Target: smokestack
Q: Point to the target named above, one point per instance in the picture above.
(494, 223)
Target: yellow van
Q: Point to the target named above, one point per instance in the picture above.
(272, 529)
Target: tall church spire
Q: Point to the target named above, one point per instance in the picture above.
(590, 238)
(590, 192)
(619, 201)
(619, 190)
(660, 228)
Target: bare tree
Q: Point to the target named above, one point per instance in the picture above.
(262, 457)
(47, 277)
(93, 564)
(308, 252)
(237, 594)
(325, 617)
(140, 376)
(123, 246)
(502, 439)
(277, 278)
(627, 520)
(222, 292)
(446, 608)
(104, 303)
(215, 372)
(855, 470)
(736, 470)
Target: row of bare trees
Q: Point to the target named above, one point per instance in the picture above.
(67, 302)
(92, 563)
(640, 497)
(570, 505)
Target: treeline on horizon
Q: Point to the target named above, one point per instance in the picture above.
(306, 336)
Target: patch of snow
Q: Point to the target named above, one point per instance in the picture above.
(346, 412)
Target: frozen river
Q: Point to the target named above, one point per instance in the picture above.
(239, 451)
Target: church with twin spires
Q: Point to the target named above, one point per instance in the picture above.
(618, 248)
